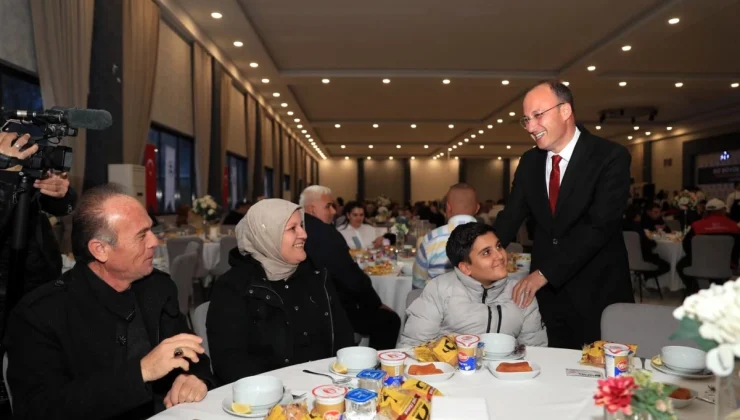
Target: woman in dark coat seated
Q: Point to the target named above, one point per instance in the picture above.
(273, 308)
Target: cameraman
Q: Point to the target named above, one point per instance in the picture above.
(43, 259)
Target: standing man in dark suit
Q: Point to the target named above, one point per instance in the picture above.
(575, 186)
(327, 248)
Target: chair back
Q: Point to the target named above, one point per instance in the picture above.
(177, 246)
(634, 253)
(182, 272)
(5, 379)
(199, 324)
(673, 224)
(710, 257)
(412, 296)
(647, 326)
(515, 247)
(226, 244)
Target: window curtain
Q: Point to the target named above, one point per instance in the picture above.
(226, 82)
(277, 160)
(251, 110)
(140, 44)
(202, 99)
(63, 39)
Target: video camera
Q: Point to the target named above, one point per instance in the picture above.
(54, 123)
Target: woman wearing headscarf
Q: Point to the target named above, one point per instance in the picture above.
(273, 308)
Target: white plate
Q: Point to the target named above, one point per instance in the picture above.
(516, 355)
(514, 376)
(447, 370)
(351, 373)
(256, 413)
(668, 371)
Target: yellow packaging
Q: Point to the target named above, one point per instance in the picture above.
(593, 354)
(445, 350)
(401, 405)
(424, 354)
(298, 411)
(420, 388)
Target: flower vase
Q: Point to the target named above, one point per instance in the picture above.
(400, 240)
(621, 416)
(727, 395)
(204, 228)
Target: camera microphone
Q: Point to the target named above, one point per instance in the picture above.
(91, 119)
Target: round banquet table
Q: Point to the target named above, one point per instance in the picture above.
(671, 252)
(552, 395)
(392, 290)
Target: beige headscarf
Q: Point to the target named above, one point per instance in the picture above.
(260, 234)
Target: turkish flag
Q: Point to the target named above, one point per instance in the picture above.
(150, 163)
(225, 187)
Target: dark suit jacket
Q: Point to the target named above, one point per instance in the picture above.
(580, 249)
(327, 248)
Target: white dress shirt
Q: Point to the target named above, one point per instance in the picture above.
(361, 238)
(565, 154)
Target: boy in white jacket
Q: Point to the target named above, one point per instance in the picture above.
(475, 298)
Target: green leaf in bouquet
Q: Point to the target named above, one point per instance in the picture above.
(688, 329)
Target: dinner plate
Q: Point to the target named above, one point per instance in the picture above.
(447, 372)
(514, 376)
(518, 354)
(668, 371)
(256, 413)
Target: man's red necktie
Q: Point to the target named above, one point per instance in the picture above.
(554, 182)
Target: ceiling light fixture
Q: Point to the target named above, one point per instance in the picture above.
(265, 81)
(673, 21)
(467, 139)
(734, 85)
(413, 125)
(626, 47)
(386, 81)
(647, 133)
(591, 68)
(457, 158)
(637, 127)
(434, 158)
(426, 146)
(290, 113)
(446, 81)
(499, 158)
(504, 82)
(459, 143)
(299, 126)
(451, 126)
(508, 146)
(398, 146)
(669, 128)
(238, 44)
(480, 131)
(297, 120)
(472, 136)
(482, 146)
(325, 81)
(622, 84)
(284, 105)
(598, 127)
(390, 158)
(490, 126)
(304, 131)
(346, 158)
(216, 15)
(276, 95)
(369, 158)
(512, 113)
(337, 125)
(344, 147)
(369, 146)
(629, 137)
(449, 149)
(375, 125)
(454, 146)
(679, 84)
(412, 158)
(566, 83)
(253, 65)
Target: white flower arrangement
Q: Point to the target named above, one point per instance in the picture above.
(712, 318)
(207, 208)
(383, 201)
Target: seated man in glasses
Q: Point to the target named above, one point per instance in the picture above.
(475, 298)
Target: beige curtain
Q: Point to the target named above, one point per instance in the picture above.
(202, 98)
(140, 44)
(251, 110)
(277, 173)
(226, 82)
(63, 36)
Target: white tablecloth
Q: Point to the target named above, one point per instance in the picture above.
(671, 252)
(392, 291)
(552, 395)
(211, 254)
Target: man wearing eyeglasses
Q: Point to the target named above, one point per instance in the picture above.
(575, 186)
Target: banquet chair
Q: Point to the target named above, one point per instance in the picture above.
(710, 257)
(647, 326)
(199, 324)
(515, 247)
(227, 243)
(5, 380)
(178, 246)
(638, 265)
(181, 272)
(674, 225)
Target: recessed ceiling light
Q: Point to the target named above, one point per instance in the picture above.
(375, 125)
(369, 158)
(304, 131)
(344, 147)
(216, 15)
(308, 136)
(446, 81)
(426, 146)
(500, 121)
(623, 84)
(459, 143)
(734, 85)
(472, 136)
(276, 95)
(512, 113)
(253, 65)
(482, 146)
(647, 133)
(337, 125)
(299, 126)
(290, 112)
(490, 126)
(434, 158)
(499, 158)
(265, 81)
(626, 47)
(504, 82)
(325, 81)
(346, 158)
(629, 137)
(598, 127)
(480, 131)
(566, 83)
(297, 120)
(669, 128)
(284, 105)
(454, 146)
(467, 139)
(390, 157)
(591, 68)
(637, 127)
(449, 149)
(370, 146)
(673, 21)
(413, 125)
(451, 126)
(412, 158)
(508, 146)
(679, 84)
(456, 158)
(398, 146)
(238, 44)
(386, 81)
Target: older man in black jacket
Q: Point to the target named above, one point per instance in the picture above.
(327, 248)
(107, 339)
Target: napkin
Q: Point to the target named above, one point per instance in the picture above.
(456, 408)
